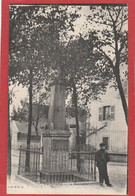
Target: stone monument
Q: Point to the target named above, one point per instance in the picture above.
(56, 137)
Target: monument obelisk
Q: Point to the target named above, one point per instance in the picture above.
(56, 137)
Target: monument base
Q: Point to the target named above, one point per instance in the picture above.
(47, 177)
(55, 151)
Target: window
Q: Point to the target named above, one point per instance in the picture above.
(106, 113)
(106, 142)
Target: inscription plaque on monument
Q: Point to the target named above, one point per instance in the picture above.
(60, 144)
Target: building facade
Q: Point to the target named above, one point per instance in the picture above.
(107, 121)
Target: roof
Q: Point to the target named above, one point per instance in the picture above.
(23, 136)
(23, 126)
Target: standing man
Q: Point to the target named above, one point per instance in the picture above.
(102, 158)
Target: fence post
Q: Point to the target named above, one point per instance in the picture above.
(94, 168)
(37, 151)
(88, 166)
(19, 165)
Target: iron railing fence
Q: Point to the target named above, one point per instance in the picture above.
(57, 166)
(33, 169)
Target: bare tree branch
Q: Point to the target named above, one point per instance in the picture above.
(120, 9)
(110, 15)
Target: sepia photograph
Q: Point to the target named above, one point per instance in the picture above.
(68, 99)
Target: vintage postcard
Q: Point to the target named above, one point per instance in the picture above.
(67, 98)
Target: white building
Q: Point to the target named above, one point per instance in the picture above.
(19, 135)
(107, 122)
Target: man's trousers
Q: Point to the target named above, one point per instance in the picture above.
(103, 174)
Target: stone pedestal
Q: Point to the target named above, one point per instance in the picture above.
(55, 151)
(56, 138)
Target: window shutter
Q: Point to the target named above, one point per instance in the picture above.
(112, 112)
(100, 117)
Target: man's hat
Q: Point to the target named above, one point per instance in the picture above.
(102, 144)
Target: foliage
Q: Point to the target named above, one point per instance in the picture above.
(84, 68)
(35, 32)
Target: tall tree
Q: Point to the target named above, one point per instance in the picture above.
(112, 44)
(37, 31)
(9, 159)
(79, 70)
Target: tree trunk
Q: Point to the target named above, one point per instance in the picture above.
(117, 74)
(37, 119)
(122, 95)
(36, 129)
(27, 163)
(9, 143)
(77, 126)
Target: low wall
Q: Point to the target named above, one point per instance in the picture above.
(118, 157)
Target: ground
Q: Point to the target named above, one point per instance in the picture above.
(117, 173)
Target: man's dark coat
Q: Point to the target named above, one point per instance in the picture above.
(101, 159)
